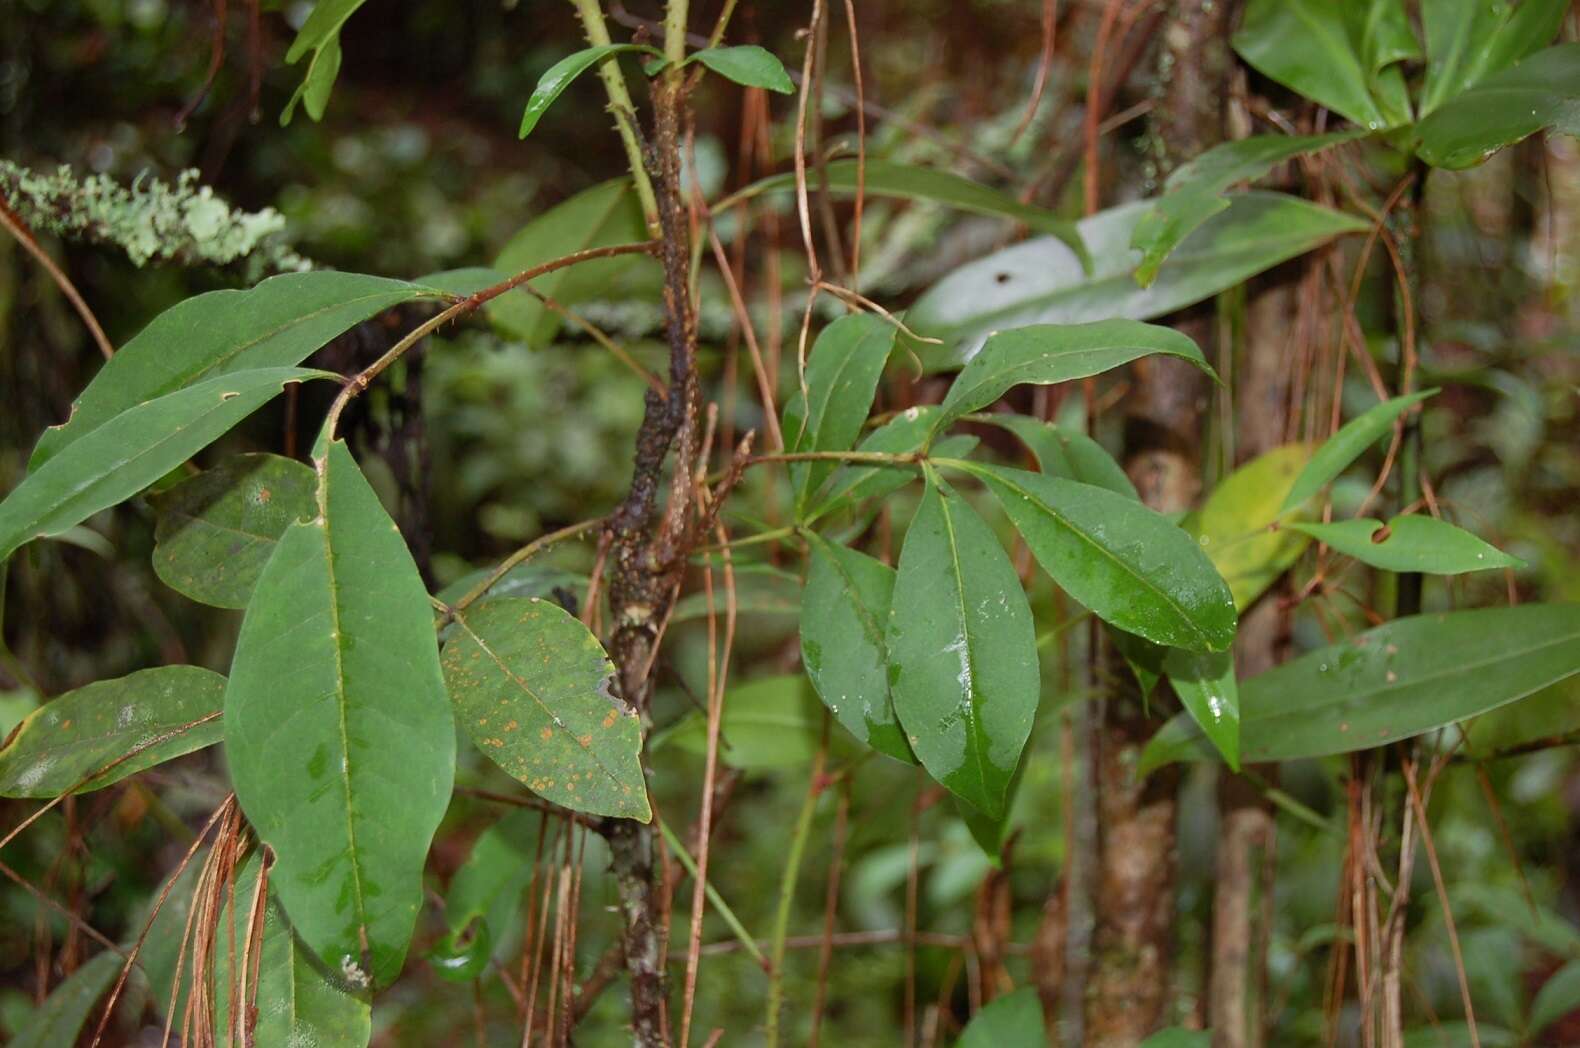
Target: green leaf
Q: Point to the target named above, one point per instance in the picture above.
(298, 1002)
(1040, 281)
(1559, 996)
(1412, 543)
(962, 652)
(1235, 525)
(1011, 1021)
(278, 323)
(1045, 354)
(844, 613)
(748, 64)
(485, 893)
(1207, 689)
(1348, 444)
(607, 214)
(842, 373)
(1127, 563)
(534, 689)
(1194, 191)
(1541, 93)
(1310, 48)
(1062, 453)
(337, 728)
(772, 722)
(1406, 677)
(1386, 38)
(320, 34)
(132, 451)
(59, 1020)
(1179, 1037)
(69, 738)
(1469, 40)
(559, 76)
(217, 530)
(904, 434)
(884, 178)
(760, 589)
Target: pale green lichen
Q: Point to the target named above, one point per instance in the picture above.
(152, 221)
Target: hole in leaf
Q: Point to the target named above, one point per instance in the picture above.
(229, 395)
(1002, 278)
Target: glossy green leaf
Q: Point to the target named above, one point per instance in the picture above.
(962, 652)
(1119, 558)
(1062, 453)
(1401, 679)
(298, 1001)
(278, 323)
(771, 722)
(60, 1019)
(486, 892)
(903, 434)
(1194, 192)
(76, 735)
(1040, 281)
(1235, 524)
(1412, 543)
(320, 34)
(1347, 445)
(885, 178)
(1045, 354)
(1309, 46)
(1469, 40)
(1144, 658)
(559, 76)
(337, 727)
(132, 451)
(747, 64)
(1385, 39)
(844, 614)
(1205, 684)
(534, 689)
(1559, 996)
(217, 530)
(842, 372)
(1011, 1021)
(602, 216)
(1542, 92)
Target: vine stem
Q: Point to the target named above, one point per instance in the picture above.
(521, 555)
(792, 870)
(881, 458)
(364, 378)
(620, 105)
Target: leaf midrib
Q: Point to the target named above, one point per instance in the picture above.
(972, 714)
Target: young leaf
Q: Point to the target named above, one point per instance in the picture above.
(1194, 191)
(1041, 281)
(1347, 445)
(962, 652)
(842, 373)
(1469, 40)
(1559, 996)
(1235, 525)
(59, 1020)
(885, 178)
(1207, 689)
(278, 323)
(298, 1003)
(1062, 453)
(844, 612)
(1011, 1021)
(772, 722)
(607, 214)
(533, 687)
(748, 64)
(1406, 677)
(1386, 38)
(1122, 560)
(486, 892)
(1413, 543)
(216, 530)
(559, 76)
(81, 732)
(1542, 92)
(131, 451)
(339, 734)
(320, 34)
(1045, 354)
(1308, 46)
